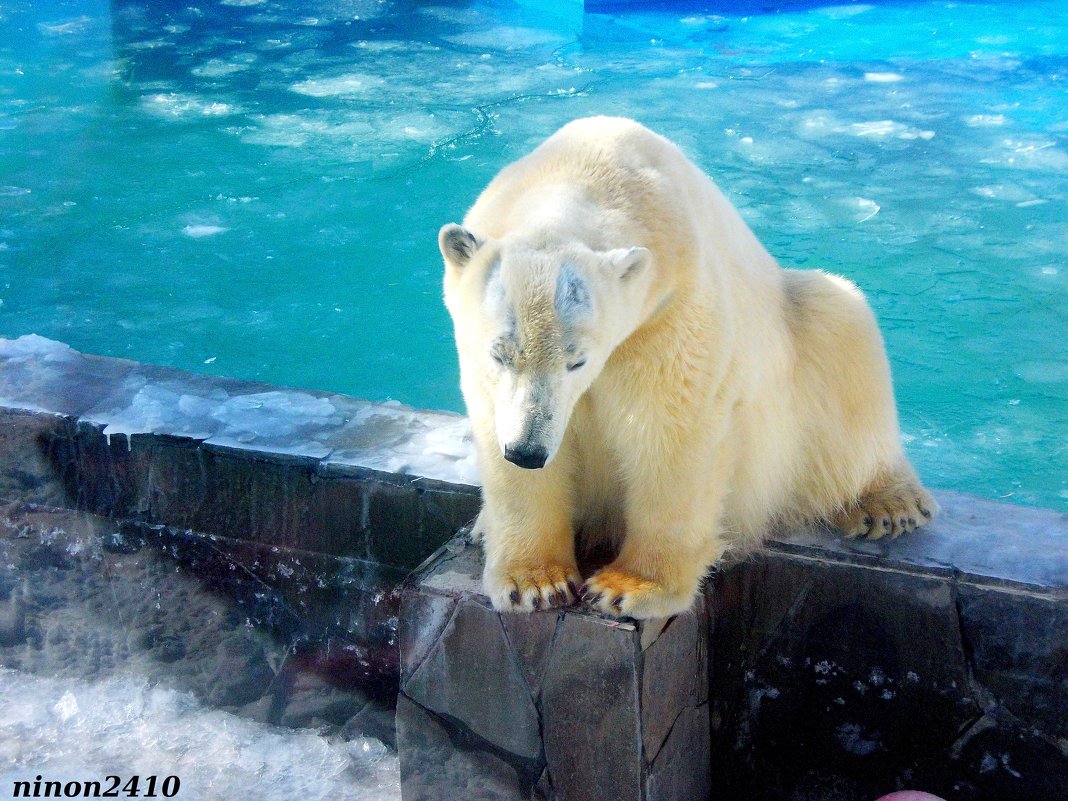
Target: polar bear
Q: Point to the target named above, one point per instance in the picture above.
(639, 371)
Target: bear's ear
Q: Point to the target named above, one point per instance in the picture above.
(457, 244)
(623, 263)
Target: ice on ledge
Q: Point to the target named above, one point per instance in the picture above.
(141, 399)
(436, 446)
(32, 346)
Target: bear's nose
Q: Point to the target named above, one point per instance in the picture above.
(530, 457)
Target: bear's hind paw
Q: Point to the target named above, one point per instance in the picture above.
(887, 513)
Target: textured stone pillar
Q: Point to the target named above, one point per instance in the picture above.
(562, 705)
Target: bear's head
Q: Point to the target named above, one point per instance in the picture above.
(536, 321)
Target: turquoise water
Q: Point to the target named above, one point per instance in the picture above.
(253, 187)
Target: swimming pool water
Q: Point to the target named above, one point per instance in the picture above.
(253, 187)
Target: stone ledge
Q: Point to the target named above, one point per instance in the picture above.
(242, 460)
(123, 439)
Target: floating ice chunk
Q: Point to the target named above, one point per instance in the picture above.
(13, 191)
(842, 12)
(393, 46)
(507, 38)
(176, 105)
(67, 28)
(883, 77)
(352, 84)
(1031, 153)
(217, 68)
(884, 128)
(985, 120)
(201, 231)
(242, 3)
(1003, 192)
(823, 123)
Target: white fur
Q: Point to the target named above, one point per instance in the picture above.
(719, 393)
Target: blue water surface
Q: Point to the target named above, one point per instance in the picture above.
(253, 187)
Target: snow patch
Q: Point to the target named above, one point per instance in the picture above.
(71, 729)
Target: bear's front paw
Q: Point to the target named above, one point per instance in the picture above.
(520, 588)
(625, 594)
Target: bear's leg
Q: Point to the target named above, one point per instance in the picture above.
(528, 539)
(893, 504)
(671, 541)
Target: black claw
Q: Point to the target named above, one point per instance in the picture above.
(553, 599)
(575, 592)
(886, 522)
(902, 522)
(868, 521)
(537, 602)
(912, 522)
(513, 596)
(596, 599)
(925, 512)
(618, 603)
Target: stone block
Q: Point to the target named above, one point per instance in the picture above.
(254, 499)
(28, 472)
(568, 694)
(333, 521)
(425, 616)
(531, 639)
(856, 658)
(681, 769)
(394, 521)
(591, 711)
(1018, 644)
(470, 664)
(669, 679)
(177, 483)
(440, 760)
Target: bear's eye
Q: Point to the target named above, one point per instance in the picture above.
(502, 357)
(576, 365)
